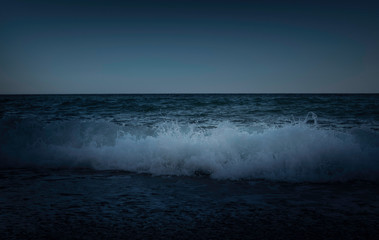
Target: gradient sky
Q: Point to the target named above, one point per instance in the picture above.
(94, 46)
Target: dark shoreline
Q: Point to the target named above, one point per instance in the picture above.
(114, 205)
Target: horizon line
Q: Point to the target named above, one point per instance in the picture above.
(194, 93)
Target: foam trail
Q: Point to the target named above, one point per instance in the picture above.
(293, 152)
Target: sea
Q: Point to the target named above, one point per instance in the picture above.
(189, 166)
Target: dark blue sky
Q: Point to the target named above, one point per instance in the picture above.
(188, 46)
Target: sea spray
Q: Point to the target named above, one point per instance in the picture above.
(293, 152)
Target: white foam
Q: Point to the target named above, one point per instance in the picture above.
(294, 152)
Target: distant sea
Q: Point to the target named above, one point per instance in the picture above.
(189, 166)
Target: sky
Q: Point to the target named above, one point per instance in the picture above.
(91, 46)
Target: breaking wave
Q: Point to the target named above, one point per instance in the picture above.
(293, 152)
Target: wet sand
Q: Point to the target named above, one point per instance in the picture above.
(86, 204)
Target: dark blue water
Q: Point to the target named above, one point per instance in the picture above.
(275, 137)
(189, 166)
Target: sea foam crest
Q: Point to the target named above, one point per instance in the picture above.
(293, 152)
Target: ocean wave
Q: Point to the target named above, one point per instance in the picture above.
(294, 152)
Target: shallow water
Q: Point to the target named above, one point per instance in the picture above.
(85, 204)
